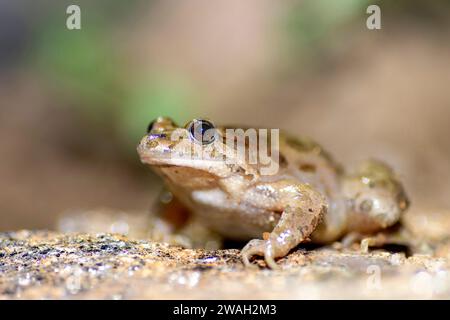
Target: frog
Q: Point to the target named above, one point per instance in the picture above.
(308, 198)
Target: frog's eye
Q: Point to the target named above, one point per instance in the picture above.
(202, 131)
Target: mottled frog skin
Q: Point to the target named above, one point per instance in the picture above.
(310, 197)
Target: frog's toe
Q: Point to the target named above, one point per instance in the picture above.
(254, 248)
(258, 247)
(269, 256)
(365, 245)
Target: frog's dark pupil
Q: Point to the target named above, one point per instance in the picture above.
(202, 131)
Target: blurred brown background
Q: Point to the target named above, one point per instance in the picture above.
(74, 104)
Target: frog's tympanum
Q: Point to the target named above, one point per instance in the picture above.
(308, 198)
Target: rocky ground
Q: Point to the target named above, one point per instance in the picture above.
(52, 265)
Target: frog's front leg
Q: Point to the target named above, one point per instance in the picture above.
(302, 210)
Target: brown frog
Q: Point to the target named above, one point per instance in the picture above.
(307, 197)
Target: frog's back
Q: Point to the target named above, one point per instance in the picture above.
(303, 159)
(310, 163)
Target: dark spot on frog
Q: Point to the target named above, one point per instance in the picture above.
(235, 168)
(307, 167)
(238, 169)
(303, 145)
(282, 162)
(366, 205)
(152, 143)
(249, 177)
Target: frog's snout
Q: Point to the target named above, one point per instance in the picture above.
(147, 143)
(141, 146)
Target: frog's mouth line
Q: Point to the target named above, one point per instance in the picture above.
(164, 166)
(171, 161)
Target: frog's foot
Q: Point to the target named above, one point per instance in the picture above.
(260, 248)
(349, 239)
(376, 241)
(403, 237)
(365, 242)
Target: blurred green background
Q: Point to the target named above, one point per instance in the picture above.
(74, 103)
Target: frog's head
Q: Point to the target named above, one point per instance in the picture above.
(193, 154)
(167, 144)
(376, 197)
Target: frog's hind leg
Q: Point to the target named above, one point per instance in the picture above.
(365, 241)
(303, 212)
(401, 237)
